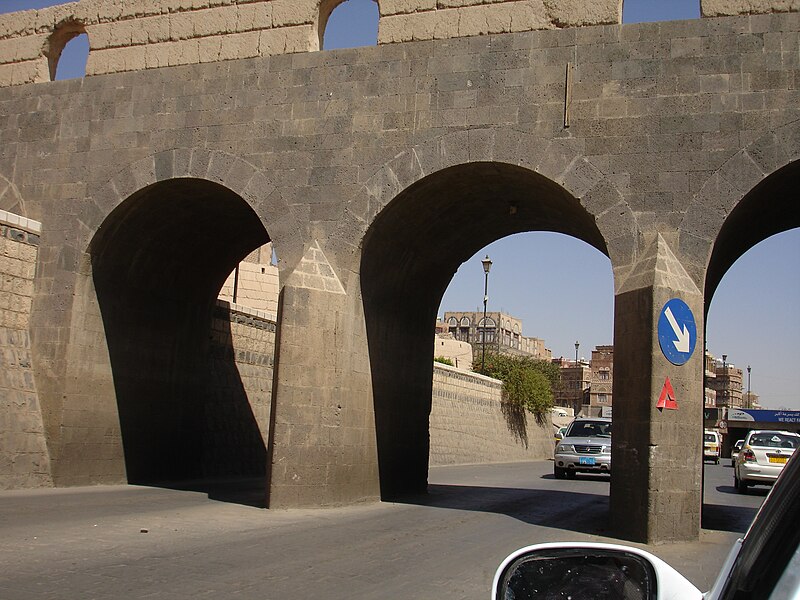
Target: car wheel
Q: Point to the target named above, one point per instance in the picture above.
(560, 473)
(716, 461)
(741, 486)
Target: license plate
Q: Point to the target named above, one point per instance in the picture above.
(778, 459)
(586, 461)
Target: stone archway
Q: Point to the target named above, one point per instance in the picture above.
(158, 262)
(155, 244)
(409, 256)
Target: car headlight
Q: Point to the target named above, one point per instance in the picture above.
(563, 448)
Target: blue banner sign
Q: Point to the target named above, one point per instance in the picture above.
(763, 416)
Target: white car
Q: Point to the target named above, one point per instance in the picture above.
(735, 451)
(763, 565)
(762, 457)
(711, 445)
(585, 448)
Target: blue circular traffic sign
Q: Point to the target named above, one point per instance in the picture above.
(677, 331)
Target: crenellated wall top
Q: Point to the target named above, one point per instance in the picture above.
(131, 35)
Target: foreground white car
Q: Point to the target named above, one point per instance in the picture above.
(764, 565)
(762, 457)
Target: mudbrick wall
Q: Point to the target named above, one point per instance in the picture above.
(24, 461)
(469, 423)
(141, 34)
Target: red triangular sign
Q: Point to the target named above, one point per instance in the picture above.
(667, 397)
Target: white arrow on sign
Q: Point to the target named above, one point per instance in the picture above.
(682, 343)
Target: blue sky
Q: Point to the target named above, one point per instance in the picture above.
(562, 288)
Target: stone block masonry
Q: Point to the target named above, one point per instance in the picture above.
(24, 460)
(237, 412)
(131, 36)
(470, 425)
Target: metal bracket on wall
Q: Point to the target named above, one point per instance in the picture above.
(567, 94)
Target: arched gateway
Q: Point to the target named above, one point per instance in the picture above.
(671, 148)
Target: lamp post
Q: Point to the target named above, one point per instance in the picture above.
(749, 399)
(487, 264)
(725, 379)
(579, 380)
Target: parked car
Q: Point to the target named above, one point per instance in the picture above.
(762, 565)
(737, 446)
(762, 457)
(585, 448)
(711, 445)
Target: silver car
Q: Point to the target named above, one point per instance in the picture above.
(585, 448)
(762, 457)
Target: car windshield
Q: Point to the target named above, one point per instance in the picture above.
(710, 437)
(590, 429)
(774, 440)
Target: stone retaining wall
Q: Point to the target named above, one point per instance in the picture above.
(237, 412)
(24, 460)
(470, 425)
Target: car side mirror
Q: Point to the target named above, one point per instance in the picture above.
(588, 572)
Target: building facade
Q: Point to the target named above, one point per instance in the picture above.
(499, 332)
(727, 383)
(575, 384)
(602, 374)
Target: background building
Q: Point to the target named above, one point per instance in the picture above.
(727, 384)
(710, 373)
(575, 384)
(254, 283)
(503, 334)
(602, 367)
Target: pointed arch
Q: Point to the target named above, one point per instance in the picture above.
(746, 200)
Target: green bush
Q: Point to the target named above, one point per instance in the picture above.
(444, 361)
(527, 383)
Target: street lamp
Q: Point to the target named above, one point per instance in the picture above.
(578, 400)
(749, 399)
(487, 264)
(724, 379)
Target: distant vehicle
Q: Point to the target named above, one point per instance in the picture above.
(711, 445)
(585, 448)
(735, 451)
(763, 565)
(762, 457)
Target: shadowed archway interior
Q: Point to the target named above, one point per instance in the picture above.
(158, 262)
(409, 255)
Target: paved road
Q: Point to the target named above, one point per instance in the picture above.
(125, 542)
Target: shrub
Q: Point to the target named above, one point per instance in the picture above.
(527, 383)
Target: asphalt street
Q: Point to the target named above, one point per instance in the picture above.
(144, 542)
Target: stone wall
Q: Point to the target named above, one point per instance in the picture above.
(24, 460)
(718, 8)
(470, 425)
(237, 412)
(140, 34)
